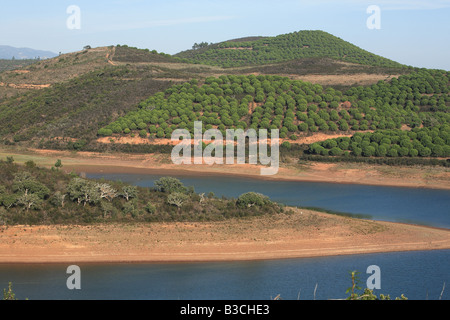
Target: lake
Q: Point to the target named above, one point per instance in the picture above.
(418, 275)
(410, 205)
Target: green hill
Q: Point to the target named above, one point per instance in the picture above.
(69, 101)
(291, 46)
(420, 99)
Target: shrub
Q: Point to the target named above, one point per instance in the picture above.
(169, 185)
(177, 199)
(251, 199)
(150, 208)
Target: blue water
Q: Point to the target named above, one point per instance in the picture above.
(410, 205)
(419, 275)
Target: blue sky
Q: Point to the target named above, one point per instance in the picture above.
(415, 33)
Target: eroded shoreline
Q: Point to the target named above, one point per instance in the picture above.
(347, 173)
(304, 233)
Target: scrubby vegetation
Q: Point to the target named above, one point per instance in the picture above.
(296, 45)
(78, 108)
(124, 53)
(12, 64)
(33, 195)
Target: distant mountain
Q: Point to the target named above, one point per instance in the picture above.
(253, 51)
(8, 52)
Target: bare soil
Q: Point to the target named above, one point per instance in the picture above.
(304, 233)
(352, 173)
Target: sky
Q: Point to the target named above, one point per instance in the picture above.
(415, 33)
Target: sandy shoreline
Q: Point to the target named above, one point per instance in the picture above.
(305, 233)
(347, 173)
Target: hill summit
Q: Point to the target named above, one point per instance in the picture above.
(291, 46)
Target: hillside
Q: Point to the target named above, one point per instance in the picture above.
(292, 46)
(9, 64)
(75, 94)
(80, 100)
(297, 108)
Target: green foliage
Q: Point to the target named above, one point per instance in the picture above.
(177, 199)
(129, 192)
(251, 199)
(367, 294)
(296, 45)
(58, 164)
(298, 108)
(8, 294)
(60, 198)
(78, 108)
(150, 208)
(169, 185)
(7, 64)
(24, 183)
(419, 142)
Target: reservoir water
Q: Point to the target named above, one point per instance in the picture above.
(418, 275)
(410, 205)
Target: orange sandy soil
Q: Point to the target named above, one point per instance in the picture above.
(303, 233)
(164, 141)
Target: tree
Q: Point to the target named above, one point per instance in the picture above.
(200, 45)
(105, 191)
(58, 164)
(8, 200)
(83, 191)
(169, 185)
(336, 151)
(177, 199)
(425, 152)
(368, 151)
(143, 133)
(25, 183)
(58, 199)
(29, 200)
(129, 192)
(251, 199)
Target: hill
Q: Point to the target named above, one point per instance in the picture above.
(291, 46)
(73, 95)
(8, 52)
(69, 101)
(297, 108)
